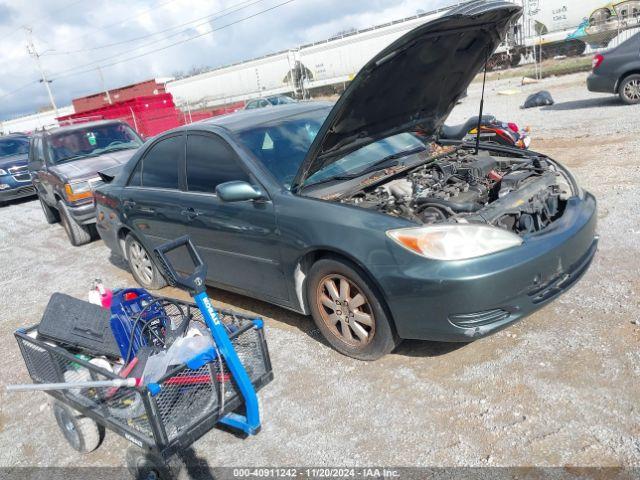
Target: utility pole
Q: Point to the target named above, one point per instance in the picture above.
(31, 49)
(103, 85)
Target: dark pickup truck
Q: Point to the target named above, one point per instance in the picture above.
(64, 164)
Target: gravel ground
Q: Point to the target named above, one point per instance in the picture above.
(559, 388)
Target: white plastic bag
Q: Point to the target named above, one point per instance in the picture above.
(181, 351)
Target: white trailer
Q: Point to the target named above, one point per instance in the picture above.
(264, 76)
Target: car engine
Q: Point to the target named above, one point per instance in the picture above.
(523, 195)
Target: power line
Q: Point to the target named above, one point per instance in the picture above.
(213, 16)
(64, 73)
(119, 23)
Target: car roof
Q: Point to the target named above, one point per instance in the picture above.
(80, 126)
(246, 119)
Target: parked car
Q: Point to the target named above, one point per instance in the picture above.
(269, 102)
(64, 164)
(15, 181)
(617, 71)
(342, 213)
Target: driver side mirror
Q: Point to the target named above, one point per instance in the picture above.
(238, 192)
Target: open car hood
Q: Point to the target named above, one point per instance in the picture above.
(414, 83)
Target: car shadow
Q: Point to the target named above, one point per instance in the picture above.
(424, 348)
(236, 301)
(611, 101)
(17, 201)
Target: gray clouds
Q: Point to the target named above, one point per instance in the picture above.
(64, 26)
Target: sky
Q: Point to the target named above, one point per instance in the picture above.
(130, 39)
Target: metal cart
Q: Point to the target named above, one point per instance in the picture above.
(217, 388)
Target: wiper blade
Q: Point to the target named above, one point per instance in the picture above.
(76, 157)
(386, 162)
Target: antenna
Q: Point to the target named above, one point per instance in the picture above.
(484, 83)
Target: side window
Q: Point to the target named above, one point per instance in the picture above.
(136, 177)
(210, 162)
(251, 105)
(160, 164)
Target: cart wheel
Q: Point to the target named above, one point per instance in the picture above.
(82, 433)
(146, 465)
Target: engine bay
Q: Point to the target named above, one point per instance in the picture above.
(520, 194)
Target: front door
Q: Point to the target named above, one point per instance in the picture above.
(238, 241)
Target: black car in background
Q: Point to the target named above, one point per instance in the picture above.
(617, 71)
(341, 212)
(15, 181)
(64, 164)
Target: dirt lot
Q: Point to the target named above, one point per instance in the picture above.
(560, 388)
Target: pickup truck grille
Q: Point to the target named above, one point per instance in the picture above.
(20, 174)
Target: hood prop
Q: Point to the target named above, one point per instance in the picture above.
(484, 83)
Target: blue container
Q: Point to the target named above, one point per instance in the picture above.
(134, 315)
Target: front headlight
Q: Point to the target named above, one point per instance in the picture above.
(3, 172)
(78, 191)
(455, 242)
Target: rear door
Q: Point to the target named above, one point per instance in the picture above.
(239, 241)
(152, 198)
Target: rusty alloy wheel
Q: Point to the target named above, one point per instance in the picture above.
(345, 310)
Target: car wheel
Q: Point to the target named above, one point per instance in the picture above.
(142, 266)
(348, 312)
(83, 434)
(78, 234)
(51, 215)
(630, 90)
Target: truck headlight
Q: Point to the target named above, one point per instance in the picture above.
(455, 242)
(78, 191)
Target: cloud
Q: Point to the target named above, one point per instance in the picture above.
(68, 35)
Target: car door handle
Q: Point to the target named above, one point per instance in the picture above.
(191, 212)
(129, 204)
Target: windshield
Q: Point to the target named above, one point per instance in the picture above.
(360, 160)
(91, 142)
(282, 145)
(14, 146)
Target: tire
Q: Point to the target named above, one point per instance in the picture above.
(82, 433)
(629, 90)
(51, 215)
(358, 327)
(144, 464)
(78, 234)
(142, 266)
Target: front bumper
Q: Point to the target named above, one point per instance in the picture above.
(600, 84)
(17, 190)
(84, 214)
(467, 300)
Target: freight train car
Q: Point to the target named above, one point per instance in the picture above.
(264, 76)
(297, 72)
(567, 27)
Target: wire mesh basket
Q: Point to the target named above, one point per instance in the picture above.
(189, 402)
